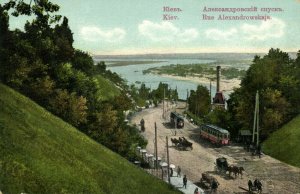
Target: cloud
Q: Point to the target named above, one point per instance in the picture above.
(217, 34)
(166, 31)
(268, 29)
(95, 34)
(265, 30)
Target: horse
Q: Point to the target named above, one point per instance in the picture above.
(174, 141)
(236, 170)
(187, 144)
(229, 169)
(241, 169)
(180, 140)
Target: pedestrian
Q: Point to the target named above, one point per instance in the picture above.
(184, 181)
(250, 185)
(259, 150)
(171, 174)
(178, 171)
(196, 191)
(214, 186)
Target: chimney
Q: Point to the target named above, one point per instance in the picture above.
(218, 78)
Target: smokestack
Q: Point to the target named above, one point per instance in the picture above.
(218, 78)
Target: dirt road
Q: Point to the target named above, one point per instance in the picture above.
(276, 176)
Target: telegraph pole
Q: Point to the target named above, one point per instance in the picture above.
(156, 157)
(169, 179)
(210, 90)
(256, 121)
(187, 97)
(164, 104)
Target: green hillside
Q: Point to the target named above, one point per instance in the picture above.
(107, 89)
(284, 144)
(40, 153)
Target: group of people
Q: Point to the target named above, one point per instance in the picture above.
(256, 185)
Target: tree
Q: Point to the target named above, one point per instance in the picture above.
(144, 92)
(273, 75)
(219, 117)
(199, 101)
(83, 62)
(69, 106)
(63, 39)
(275, 109)
(42, 63)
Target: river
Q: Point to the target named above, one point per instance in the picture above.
(134, 74)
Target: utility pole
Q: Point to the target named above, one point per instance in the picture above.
(156, 157)
(256, 121)
(164, 105)
(187, 97)
(176, 98)
(210, 91)
(167, 104)
(169, 179)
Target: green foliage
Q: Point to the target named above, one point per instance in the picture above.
(83, 62)
(195, 118)
(69, 107)
(274, 110)
(199, 101)
(162, 91)
(275, 77)
(219, 117)
(41, 63)
(284, 144)
(199, 70)
(106, 88)
(40, 153)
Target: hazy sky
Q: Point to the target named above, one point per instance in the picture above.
(137, 26)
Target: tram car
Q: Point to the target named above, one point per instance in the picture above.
(214, 134)
(176, 120)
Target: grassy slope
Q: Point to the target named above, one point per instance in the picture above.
(39, 153)
(284, 144)
(107, 88)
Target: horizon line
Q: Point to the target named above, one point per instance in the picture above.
(176, 53)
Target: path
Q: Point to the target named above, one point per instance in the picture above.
(276, 176)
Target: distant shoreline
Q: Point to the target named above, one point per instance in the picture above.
(127, 63)
(226, 84)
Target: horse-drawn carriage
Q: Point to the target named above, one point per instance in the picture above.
(182, 143)
(222, 166)
(207, 180)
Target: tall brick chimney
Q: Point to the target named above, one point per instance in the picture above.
(218, 78)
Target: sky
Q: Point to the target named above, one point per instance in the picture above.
(120, 27)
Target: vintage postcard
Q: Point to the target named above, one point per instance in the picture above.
(139, 96)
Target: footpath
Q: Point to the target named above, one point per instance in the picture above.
(177, 181)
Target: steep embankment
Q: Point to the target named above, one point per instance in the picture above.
(40, 153)
(107, 89)
(284, 144)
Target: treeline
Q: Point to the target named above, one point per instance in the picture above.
(144, 96)
(276, 76)
(42, 63)
(200, 70)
